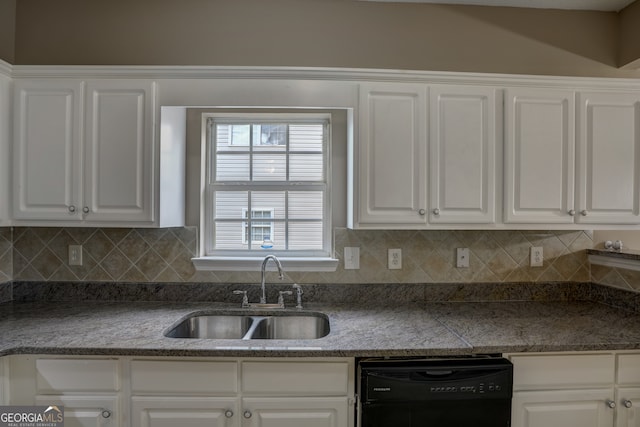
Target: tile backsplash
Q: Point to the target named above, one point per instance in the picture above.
(164, 255)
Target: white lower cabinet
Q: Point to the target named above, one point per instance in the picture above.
(194, 411)
(186, 392)
(295, 412)
(88, 388)
(576, 390)
(562, 408)
(85, 411)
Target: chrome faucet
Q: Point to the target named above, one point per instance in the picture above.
(263, 298)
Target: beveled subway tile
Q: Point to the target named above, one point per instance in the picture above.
(116, 264)
(46, 263)
(116, 234)
(133, 246)
(28, 244)
(133, 275)
(428, 256)
(81, 234)
(151, 264)
(59, 245)
(99, 246)
(45, 233)
(98, 274)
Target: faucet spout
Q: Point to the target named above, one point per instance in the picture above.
(263, 298)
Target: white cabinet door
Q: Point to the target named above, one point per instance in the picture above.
(539, 156)
(628, 406)
(391, 157)
(296, 412)
(463, 147)
(46, 150)
(86, 410)
(562, 408)
(5, 161)
(119, 172)
(173, 411)
(608, 158)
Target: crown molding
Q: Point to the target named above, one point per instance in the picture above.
(319, 73)
(6, 68)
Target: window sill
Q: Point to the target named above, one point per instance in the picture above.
(627, 259)
(254, 264)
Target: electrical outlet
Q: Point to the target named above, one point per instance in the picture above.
(462, 258)
(395, 259)
(75, 254)
(351, 258)
(537, 258)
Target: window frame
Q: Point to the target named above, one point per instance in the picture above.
(293, 260)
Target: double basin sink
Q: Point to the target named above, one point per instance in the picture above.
(252, 326)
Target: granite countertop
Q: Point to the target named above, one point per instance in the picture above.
(445, 328)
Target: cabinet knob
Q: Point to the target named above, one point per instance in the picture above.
(72, 209)
(85, 209)
(436, 211)
(572, 212)
(228, 413)
(106, 413)
(422, 212)
(611, 404)
(627, 403)
(247, 414)
(584, 212)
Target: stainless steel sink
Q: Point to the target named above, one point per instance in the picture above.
(252, 326)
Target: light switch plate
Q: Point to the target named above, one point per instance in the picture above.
(537, 257)
(395, 259)
(462, 258)
(75, 254)
(352, 258)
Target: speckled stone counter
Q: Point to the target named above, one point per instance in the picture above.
(453, 328)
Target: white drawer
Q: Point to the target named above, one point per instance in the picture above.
(77, 375)
(192, 377)
(293, 378)
(628, 369)
(537, 372)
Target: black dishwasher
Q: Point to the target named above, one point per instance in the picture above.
(459, 392)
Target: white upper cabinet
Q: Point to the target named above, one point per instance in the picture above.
(391, 156)
(85, 153)
(464, 167)
(47, 175)
(5, 161)
(608, 158)
(119, 151)
(539, 154)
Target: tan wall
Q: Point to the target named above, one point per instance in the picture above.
(328, 33)
(7, 30)
(630, 36)
(631, 239)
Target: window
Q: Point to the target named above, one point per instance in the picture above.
(261, 231)
(266, 186)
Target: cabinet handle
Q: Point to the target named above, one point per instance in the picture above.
(85, 209)
(72, 209)
(572, 212)
(247, 414)
(584, 212)
(436, 211)
(422, 212)
(228, 413)
(106, 413)
(611, 404)
(627, 403)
